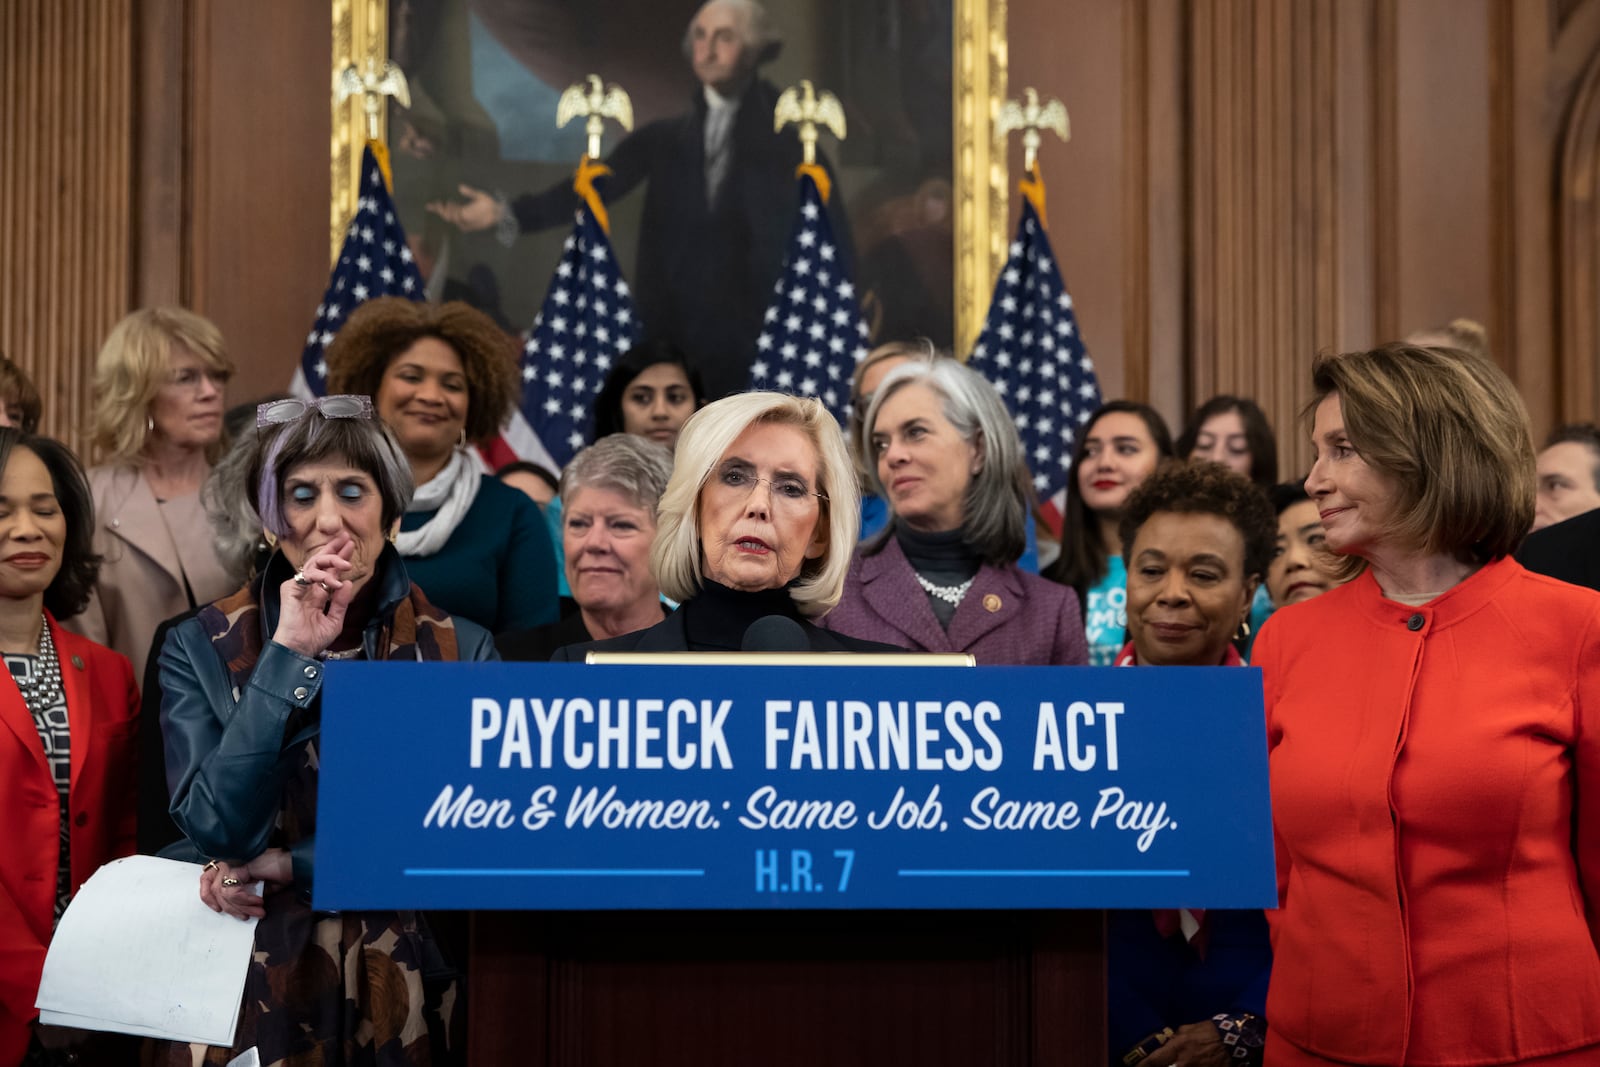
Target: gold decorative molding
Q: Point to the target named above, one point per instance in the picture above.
(360, 34)
(980, 57)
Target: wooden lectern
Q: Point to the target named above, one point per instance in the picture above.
(930, 988)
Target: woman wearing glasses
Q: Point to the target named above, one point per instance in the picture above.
(942, 576)
(158, 386)
(757, 520)
(442, 377)
(241, 711)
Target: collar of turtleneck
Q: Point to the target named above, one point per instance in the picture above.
(715, 619)
(943, 554)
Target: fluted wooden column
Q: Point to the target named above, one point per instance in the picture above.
(66, 218)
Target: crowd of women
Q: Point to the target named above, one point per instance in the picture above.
(1425, 694)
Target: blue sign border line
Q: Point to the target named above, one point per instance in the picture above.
(1040, 874)
(550, 872)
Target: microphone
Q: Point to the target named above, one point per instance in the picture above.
(775, 633)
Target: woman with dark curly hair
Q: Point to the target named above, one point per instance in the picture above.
(442, 377)
(67, 761)
(1189, 986)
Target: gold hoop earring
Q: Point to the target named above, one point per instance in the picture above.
(1243, 632)
(462, 444)
(270, 538)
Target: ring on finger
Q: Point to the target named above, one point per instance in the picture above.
(301, 579)
(230, 882)
(211, 865)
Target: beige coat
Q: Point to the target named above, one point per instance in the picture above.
(148, 549)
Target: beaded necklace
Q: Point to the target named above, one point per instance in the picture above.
(40, 687)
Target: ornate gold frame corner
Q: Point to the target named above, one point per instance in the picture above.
(981, 57)
(360, 32)
(979, 54)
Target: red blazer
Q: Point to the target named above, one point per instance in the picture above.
(1436, 799)
(102, 715)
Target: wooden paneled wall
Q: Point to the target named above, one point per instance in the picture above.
(67, 217)
(1251, 182)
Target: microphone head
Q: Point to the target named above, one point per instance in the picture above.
(775, 633)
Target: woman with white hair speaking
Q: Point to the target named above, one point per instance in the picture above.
(757, 521)
(942, 576)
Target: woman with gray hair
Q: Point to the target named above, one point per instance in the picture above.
(610, 493)
(756, 521)
(942, 576)
(241, 711)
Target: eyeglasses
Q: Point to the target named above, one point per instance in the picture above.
(739, 479)
(336, 406)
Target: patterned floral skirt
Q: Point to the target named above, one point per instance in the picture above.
(352, 989)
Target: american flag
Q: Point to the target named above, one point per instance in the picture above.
(587, 320)
(812, 335)
(1030, 349)
(375, 261)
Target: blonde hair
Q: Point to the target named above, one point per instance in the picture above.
(1448, 427)
(710, 432)
(131, 368)
(1465, 335)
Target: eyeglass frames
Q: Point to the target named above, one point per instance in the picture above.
(336, 406)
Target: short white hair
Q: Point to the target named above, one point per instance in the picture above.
(675, 557)
(757, 28)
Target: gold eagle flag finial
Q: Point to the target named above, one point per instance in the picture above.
(1030, 116)
(803, 105)
(373, 84)
(592, 99)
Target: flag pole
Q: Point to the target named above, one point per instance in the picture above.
(802, 105)
(373, 85)
(594, 101)
(1030, 115)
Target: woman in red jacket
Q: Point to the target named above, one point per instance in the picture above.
(69, 710)
(1434, 729)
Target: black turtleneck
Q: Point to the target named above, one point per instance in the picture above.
(715, 618)
(942, 558)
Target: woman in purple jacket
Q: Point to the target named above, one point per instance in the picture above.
(942, 576)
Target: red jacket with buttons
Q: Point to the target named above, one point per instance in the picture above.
(102, 718)
(1436, 799)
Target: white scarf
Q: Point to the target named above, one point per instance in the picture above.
(452, 492)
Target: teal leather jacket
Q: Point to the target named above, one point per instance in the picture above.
(226, 752)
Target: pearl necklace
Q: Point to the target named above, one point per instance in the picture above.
(951, 594)
(39, 689)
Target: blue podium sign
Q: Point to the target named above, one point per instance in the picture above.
(560, 786)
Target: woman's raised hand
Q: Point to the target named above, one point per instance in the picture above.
(313, 602)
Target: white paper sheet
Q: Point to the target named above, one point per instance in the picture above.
(248, 1058)
(138, 953)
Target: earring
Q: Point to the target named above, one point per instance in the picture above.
(462, 444)
(1243, 632)
(270, 538)
(149, 424)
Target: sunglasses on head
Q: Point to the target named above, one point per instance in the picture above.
(336, 406)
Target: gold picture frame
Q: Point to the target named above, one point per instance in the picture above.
(360, 34)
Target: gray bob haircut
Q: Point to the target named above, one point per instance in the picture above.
(995, 506)
(709, 433)
(365, 444)
(635, 467)
(226, 496)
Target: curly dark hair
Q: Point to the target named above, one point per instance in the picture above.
(1206, 489)
(68, 592)
(381, 329)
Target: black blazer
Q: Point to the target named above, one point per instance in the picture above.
(536, 645)
(1568, 550)
(669, 635)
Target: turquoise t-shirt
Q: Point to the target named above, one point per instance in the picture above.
(1106, 622)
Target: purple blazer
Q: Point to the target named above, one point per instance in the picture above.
(1008, 618)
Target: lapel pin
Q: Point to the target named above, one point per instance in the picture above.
(991, 603)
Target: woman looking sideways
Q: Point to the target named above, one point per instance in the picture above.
(1119, 447)
(1431, 738)
(158, 385)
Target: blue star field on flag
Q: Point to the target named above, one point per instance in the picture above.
(587, 320)
(812, 335)
(1032, 353)
(374, 261)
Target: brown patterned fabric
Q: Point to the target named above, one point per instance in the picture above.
(346, 989)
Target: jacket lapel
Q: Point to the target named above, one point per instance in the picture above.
(991, 588)
(15, 714)
(886, 581)
(80, 709)
(135, 519)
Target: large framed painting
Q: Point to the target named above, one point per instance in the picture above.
(919, 181)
